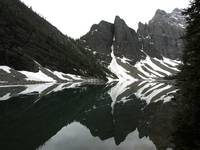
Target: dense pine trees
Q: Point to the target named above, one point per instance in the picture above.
(187, 136)
(26, 37)
(191, 58)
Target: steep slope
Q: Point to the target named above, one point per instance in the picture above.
(124, 40)
(28, 38)
(163, 33)
(148, 68)
(151, 52)
(9, 76)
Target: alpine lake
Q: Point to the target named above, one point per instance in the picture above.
(76, 116)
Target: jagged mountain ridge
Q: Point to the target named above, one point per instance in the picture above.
(158, 40)
(163, 33)
(29, 42)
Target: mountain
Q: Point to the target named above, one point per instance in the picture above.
(30, 43)
(164, 33)
(154, 51)
(32, 50)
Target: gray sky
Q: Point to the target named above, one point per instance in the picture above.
(75, 17)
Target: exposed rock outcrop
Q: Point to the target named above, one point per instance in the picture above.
(160, 37)
(163, 33)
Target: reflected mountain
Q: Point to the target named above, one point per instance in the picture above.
(108, 111)
(9, 91)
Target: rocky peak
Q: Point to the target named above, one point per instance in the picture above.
(177, 11)
(159, 13)
(119, 21)
(99, 40)
(159, 16)
(160, 37)
(102, 36)
(126, 40)
(175, 18)
(121, 30)
(164, 32)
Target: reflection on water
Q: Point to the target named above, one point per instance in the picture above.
(125, 115)
(69, 136)
(6, 92)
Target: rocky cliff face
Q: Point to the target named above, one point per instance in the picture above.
(104, 35)
(143, 54)
(163, 33)
(99, 40)
(126, 42)
(160, 37)
(29, 40)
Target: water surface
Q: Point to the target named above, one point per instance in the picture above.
(118, 116)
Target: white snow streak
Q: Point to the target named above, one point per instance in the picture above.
(155, 67)
(171, 62)
(5, 68)
(118, 70)
(38, 76)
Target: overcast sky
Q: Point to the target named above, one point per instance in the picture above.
(75, 17)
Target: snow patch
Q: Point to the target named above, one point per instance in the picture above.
(118, 70)
(38, 76)
(171, 62)
(5, 68)
(60, 75)
(167, 65)
(147, 68)
(74, 77)
(125, 60)
(139, 66)
(155, 67)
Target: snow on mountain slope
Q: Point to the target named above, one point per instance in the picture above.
(119, 70)
(11, 76)
(148, 68)
(5, 68)
(37, 76)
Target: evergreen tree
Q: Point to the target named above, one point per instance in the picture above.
(187, 136)
(190, 71)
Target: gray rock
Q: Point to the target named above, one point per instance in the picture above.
(164, 33)
(160, 37)
(126, 42)
(99, 39)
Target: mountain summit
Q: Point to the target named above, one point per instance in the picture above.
(34, 50)
(156, 41)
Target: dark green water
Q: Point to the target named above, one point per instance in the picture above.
(119, 116)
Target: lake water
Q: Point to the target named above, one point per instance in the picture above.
(116, 116)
